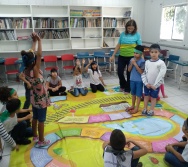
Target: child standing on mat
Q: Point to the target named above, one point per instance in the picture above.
(115, 155)
(136, 68)
(152, 78)
(177, 153)
(54, 84)
(95, 77)
(39, 94)
(78, 87)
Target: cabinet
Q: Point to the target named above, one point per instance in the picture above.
(86, 27)
(114, 21)
(15, 25)
(61, 27)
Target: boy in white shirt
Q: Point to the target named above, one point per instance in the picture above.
(152, 77)
(177, 153)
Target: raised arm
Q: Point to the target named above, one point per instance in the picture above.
(38, 55)
(141, 152)
(86, 68)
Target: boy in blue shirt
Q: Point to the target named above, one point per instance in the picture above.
(136, 68)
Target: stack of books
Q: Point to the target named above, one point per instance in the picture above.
(7, 35)
(54, 34)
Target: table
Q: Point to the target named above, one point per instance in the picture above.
(181, 64)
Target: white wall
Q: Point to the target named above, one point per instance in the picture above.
(151, 27)
(138, 6)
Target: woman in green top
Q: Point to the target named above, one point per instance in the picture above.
(126, 44)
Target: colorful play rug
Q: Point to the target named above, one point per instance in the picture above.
(78, 126)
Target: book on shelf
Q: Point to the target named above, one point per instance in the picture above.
(7, 35)
(50, 23)
(105, 44)
(114, 22)
(83, 22)
(15, 23)
(23, 38)
(54, 34)
(111, 32)
(127, 14)
(89, 12)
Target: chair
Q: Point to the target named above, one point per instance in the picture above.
(172, 58)
(67, 62)
(50, 59)
(100, 57)
(8, 63)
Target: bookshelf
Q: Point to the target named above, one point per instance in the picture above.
(15, 25)
(86, 27)
(61, 27)
(114, 25)
(52, 25)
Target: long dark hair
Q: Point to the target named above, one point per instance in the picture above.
(131, 23)
(94, 62)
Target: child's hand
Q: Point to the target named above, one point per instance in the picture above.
(28, 85)
(169, 148)
(90, 61)
(148, 86)
(22, 75)
(153, 87)
(83, 61)
(37, 37)
(15, 148)
(133, 61)
(29, 116)
(33, 36)
(53, 89)
(104, 84)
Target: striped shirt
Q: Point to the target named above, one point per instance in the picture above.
(6, 137)
(128, 42)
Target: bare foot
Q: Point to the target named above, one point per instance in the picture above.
(130, 108)
(134, 111)
(165, 96)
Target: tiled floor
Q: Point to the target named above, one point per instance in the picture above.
(177, 98)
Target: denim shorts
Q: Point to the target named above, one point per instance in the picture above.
(39, 114)
(136, 88)
(151, 92)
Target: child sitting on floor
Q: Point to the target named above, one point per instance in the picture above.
(115, 155)
(16, 127)
(177, 153)
(78, 86)
(95, 77)
(7, 94)
(136, 68)
(54, 84)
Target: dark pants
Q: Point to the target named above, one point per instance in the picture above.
(20, 132)
(56, 93)
(173, 160)
(122, 63)
(26, 105)
(134, 162)
(94, 88)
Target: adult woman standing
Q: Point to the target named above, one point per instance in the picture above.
(127, 42)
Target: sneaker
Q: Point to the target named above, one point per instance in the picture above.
(144, 112)
(139, 164)
(36, 139)
(24, 141)
(150, 113)
(43, 143)
(121, 89)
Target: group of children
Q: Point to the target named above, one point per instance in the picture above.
(149, 74)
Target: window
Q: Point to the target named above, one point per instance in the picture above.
(173, 22)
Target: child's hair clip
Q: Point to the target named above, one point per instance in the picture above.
(31, 50)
